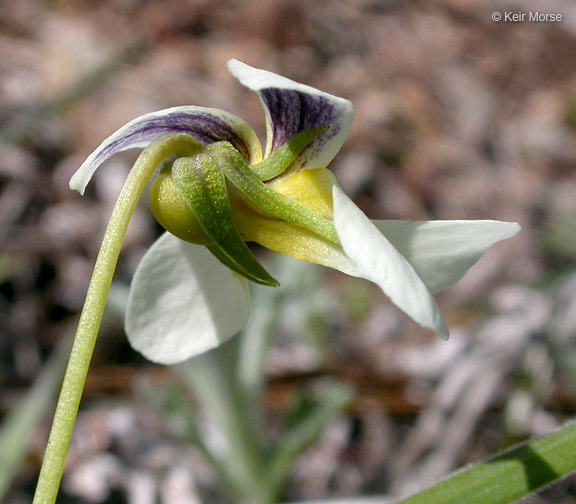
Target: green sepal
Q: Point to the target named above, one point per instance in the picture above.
(280, 160)
(266, 199)
(219, 254)
(201, 183)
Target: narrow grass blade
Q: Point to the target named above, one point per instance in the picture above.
(511, 475)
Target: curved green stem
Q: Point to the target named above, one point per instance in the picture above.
(89, 324)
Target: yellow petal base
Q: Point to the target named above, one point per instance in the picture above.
(312, 188)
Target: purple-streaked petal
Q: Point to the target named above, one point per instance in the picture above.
(379, 261)
(292, 107)
(183, 302)
(204, 124)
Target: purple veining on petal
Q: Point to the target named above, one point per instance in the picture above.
(203, 126)
(293, 111)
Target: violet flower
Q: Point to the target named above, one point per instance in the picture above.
(190, 292)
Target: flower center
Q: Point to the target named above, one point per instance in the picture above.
(204, 198)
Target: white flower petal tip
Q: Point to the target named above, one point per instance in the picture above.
(292, 107)
(379, 261)
(204, 124)
(442, 252)
(183, 302)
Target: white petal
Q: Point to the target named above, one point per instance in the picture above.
(442, 252)
(292, 107)
(380, 262)
(183, 302)
(204, 124)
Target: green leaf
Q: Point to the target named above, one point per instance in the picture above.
(203, 186)
(510, 476)
(303, 425)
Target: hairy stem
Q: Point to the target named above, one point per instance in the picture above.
(91, 317)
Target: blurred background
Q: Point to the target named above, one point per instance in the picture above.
(457, 117)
